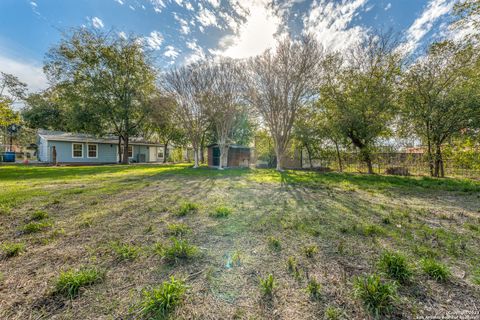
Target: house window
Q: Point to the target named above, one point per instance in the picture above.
(92, 151)
(130, 151)
(77, 150)
(160, 154)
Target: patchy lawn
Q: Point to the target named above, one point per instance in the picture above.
(104, 242)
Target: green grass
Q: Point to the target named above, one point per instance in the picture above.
(124, 251)
(332, 313)
(267, 285)
(435, 270)
(69, 282)
(310, 251)
(274, 243)
(377, 296)
(158, 302)
(39, 215)
(396, 266)
(177, 229)
(179, 249)
(221, 212)
(187, 208)
(313, 288)
(34, 227)
(476, 276)
(12, 249)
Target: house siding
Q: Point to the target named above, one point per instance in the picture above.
(106, 153)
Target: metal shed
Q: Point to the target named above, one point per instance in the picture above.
(238, 156)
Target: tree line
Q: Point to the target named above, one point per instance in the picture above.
(298, 92)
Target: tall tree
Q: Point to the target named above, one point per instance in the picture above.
(106, 75)
(359, 91)
(440, 97)
(187, 85)
(224, 98)
(12, 90)
(279, 82)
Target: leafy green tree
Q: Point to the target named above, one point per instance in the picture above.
(105, 76)
(359, 92)
(440, 97)
(12, 90)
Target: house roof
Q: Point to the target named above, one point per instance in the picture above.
(235, 146)
(90, 138)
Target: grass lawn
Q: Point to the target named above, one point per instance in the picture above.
(104, 242)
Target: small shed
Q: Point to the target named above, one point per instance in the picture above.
(238, 156)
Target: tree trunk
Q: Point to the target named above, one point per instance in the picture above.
(309, 156)
(119, 149)
(430, 158)
(279, 154)
(195, 157)
(366, 156)
(438, 169)
(222, 146)
(339, 158)
(125, 150)
(165, 152)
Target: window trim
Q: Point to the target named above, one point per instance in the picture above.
(73, 150)
(131, 146)
(96, 150)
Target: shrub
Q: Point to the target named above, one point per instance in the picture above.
(395, 265)
(221, 212)
(267, 285)
(186, 208)
(69, 282)
(310, 251)
(11, 249)
(178, 229)
(274, 243)
(435, 270)
(34, 227)
(125, 251)
(178, 250)
(377, 296)
(39, 215)
(313, 288)
(158, 302)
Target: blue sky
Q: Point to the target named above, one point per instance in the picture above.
(180, 31)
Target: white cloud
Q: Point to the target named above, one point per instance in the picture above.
(97, 23)
(388, 6)
(254, 35)
(120, 2)
(28, 72)
(131, 7)
(188, 6)
(207, 18)
(330, 22)
(154, 40)
(171, 52)
(158, 5)
(33, 4)
(197, 52)
(122, 35)
(214, 3)
(184, 28)
(423, 24)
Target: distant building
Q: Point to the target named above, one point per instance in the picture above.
(238, 156)
(76, 148)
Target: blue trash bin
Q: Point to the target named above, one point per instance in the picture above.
(9, 157)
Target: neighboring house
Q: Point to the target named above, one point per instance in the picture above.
(238, 156)
(85, 148)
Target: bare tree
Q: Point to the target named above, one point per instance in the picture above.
(279, 82)
(188, 85)
(224, 102)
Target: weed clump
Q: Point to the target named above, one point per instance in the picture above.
(292, 267)
(178, 229)
(125, 251)
(267, 285)
(313, 288)
(69, 282)
(34, 227)
(332, 313)
(435, 270)
(377, 296)
(274, 243)
(11, 249)
(177, 250)
(39, 215)
(221, 212)
(158, 302)
(187, 208)
(395, 265)
(310, 251)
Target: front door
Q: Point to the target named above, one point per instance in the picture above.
(216, 156)
(152, 154)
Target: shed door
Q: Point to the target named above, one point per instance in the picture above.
(152, 154)
(216, 156)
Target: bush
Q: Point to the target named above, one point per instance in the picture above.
(186, 208)
(178, 229)
(158, 302)
(395, 265)
(178, 250)
(267, 285)
(69, 282)
(435, 270)
(310, 251)
(34, 227)
(221, 212)
(313, 288)
(377, 296)
(39, 215)
(11, 249)
(274, 243)
(125, 251)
